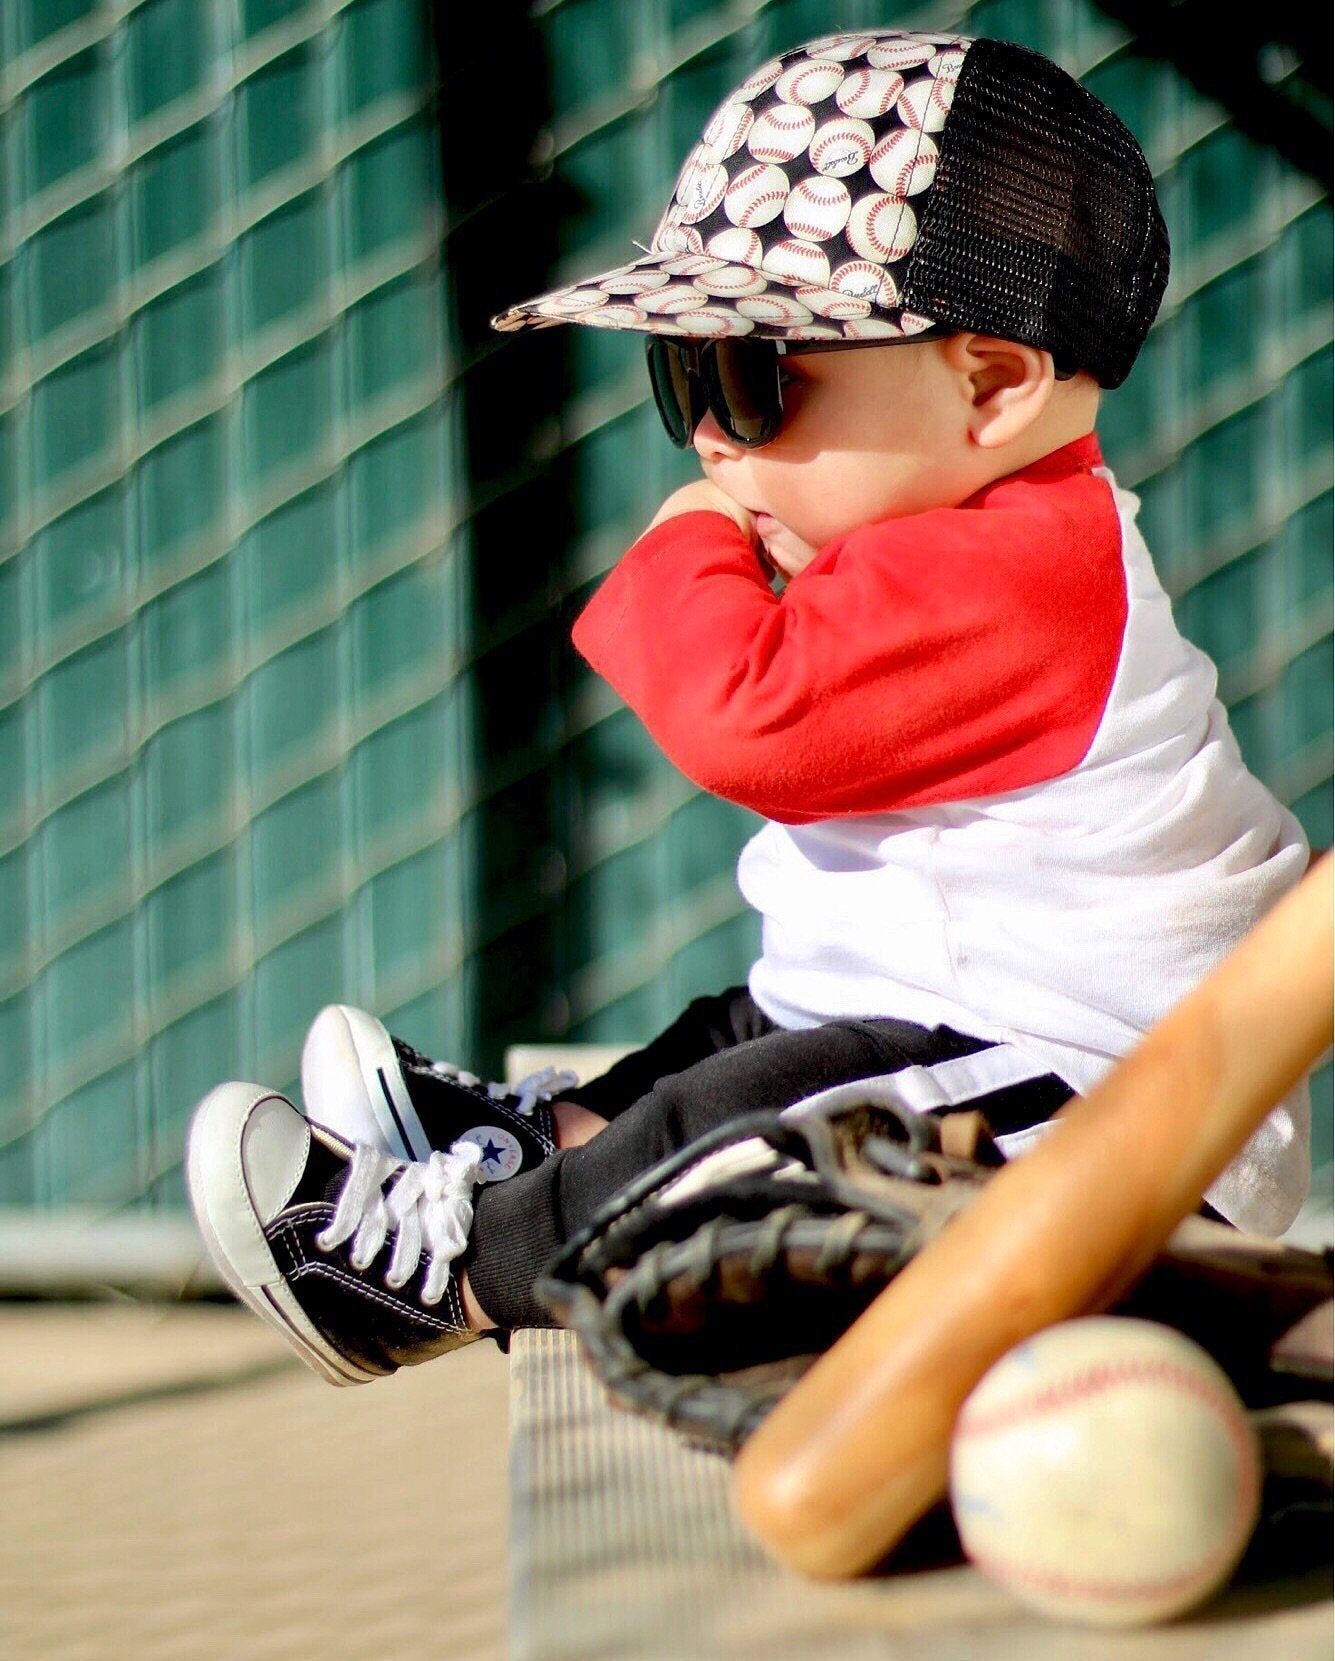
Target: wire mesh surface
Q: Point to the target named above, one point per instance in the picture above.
(290, 544)
(234, 738)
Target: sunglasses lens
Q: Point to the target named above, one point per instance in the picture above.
(745, 374)
(743, 381)
(672, 376)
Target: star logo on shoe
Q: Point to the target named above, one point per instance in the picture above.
(501, 1154)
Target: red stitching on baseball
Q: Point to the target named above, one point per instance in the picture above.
(806, 73)
(883, 245)
(749, 210)
(850, 142)
(1091, 1382)
(916, 157)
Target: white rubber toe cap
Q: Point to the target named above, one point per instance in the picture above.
(352, 1084)
(334, 1084)
(247, 1149)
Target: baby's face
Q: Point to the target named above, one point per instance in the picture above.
(868, 434)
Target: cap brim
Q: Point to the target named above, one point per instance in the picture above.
(704, 296)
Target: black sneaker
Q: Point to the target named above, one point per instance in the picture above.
(344, 1250)
(368, 1086)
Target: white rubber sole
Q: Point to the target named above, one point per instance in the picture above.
(232, 1229)
(351, 1082)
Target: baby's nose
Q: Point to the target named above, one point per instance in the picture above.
(711, 442)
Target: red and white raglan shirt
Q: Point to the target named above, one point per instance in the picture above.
(1001, 793)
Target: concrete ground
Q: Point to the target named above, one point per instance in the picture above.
(174, 1487)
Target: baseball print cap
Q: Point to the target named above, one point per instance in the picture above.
(879, 185)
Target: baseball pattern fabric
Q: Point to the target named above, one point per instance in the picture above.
(795, 214)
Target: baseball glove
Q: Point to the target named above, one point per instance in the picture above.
(703, 1290)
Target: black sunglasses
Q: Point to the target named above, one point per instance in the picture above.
(738, 380)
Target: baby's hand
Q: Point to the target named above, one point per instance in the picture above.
(781, 548)
(703, 497)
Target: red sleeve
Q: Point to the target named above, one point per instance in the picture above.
(957, 653)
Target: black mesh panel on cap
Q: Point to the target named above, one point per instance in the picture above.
(1043, 225)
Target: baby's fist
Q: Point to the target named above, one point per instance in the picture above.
(704, 497)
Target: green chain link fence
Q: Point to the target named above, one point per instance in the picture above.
(290, 543)
(235, 736)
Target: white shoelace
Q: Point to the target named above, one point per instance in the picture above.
(430, 1208)
(537, 1087)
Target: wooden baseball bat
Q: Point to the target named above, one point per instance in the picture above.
(859, 1448)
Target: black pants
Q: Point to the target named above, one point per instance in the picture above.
(719, 1060)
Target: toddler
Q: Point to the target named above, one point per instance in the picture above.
(906, 616)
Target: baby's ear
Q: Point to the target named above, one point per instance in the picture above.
(1008, 385)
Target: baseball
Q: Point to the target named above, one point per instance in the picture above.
(781, 133)
(732, 281)
(756, 195)
(1106, 1472)
(866, 281)
(667, 302)
(711, 322)
(774, 308)
(904, 162)
(830, 302)
(898, 54)
(618, 315)
(841, 147)
(704, 193)
(882, 228)
(817, 208)
(840, 47)
(925, 104)
(760, 80)
(689, 168)
(635, 282)
(738, 246)
(571, 302)
(691, 264)
(869, 92)
(727, 129)
(873, 328)
(809, 81)
(673, 238)
(800, 260)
